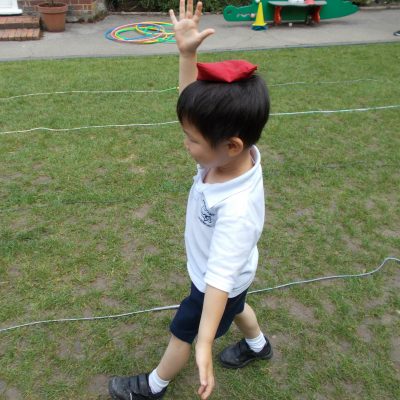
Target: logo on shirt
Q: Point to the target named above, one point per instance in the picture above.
(206, 216)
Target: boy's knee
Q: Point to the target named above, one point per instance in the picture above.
(179, 342)
(245, 308)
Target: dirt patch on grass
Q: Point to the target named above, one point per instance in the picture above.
(296, 309)
(67, 350)
(122, 330)
(328, 393)
(42, 180)
(142, 212)
(100, 171)
(10, 393)
(128, 248)
(3, 387)
(111, 302)
(101, 226)
(187, 380)
(58, 376)
(352, 243)
(328, 306)
(133, 278)
(377, 301)
(159, 289)
(272, 302)
(100, 283)
(129, 158)
(137, 170)
(364, 333)
(278, 366)
(38, 165)
(395, 351)
(389, 233)
(179, 277)
(151, 250)
(98, 386)
(301, 312)
(10, 177)
(353, 389)
(344, 346)
(21, 222)
(304, 212)
(14, 271)
(101, 247)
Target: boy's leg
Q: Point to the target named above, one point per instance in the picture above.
(174, 359)
(255, 344)
(246, 321)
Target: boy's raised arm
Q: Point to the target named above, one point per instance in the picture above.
(188, 39)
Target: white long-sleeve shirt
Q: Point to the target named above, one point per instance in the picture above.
(224, 222)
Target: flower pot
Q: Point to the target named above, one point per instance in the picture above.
(53, 16)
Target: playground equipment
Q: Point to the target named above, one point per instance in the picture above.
(290, 11)
(260, 22)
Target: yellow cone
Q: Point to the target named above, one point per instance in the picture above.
(260, 22)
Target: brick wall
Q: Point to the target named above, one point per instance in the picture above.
(78, 10)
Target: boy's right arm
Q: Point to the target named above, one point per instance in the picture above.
(188, 39)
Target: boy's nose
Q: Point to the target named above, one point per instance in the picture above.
(185, 143)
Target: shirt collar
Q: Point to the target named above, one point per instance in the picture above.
(217, 192)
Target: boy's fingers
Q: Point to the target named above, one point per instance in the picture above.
(201, 390)
(206, 33)
(197, 14)
(173, 18)
(189, 12)
(182, 9)
(209, 388)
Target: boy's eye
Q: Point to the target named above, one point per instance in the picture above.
(190, 139)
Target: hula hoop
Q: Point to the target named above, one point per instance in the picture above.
(151, 32)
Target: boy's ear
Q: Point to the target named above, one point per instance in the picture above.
(235, 146)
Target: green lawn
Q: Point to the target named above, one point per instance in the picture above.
(92, 223)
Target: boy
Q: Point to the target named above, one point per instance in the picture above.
(222, 109)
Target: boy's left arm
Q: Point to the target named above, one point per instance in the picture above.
(213, 308)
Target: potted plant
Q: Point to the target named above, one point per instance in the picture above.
(53, 15)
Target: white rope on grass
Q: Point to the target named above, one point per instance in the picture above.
(91, 126)
(175, 122)
(172, 88)
(322, 83)
(175, 306)
(89, 92)
(337, 111)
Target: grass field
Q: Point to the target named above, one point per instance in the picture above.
(92, 223)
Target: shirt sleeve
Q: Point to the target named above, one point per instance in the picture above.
(233, 242)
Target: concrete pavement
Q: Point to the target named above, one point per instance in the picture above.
(87, 40)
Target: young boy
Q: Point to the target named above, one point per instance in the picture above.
(222, 109)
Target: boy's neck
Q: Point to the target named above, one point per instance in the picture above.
(236, 167)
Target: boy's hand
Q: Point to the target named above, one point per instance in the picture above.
(188, 38)
(205, 365)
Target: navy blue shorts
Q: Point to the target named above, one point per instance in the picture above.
(186, 322)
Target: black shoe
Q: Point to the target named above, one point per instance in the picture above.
(240, 354)
(132, 388)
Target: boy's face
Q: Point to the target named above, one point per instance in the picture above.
(200, 149)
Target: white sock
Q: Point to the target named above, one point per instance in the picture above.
(156, 383)
(257, 343)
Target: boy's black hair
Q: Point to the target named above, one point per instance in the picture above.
(221, 110)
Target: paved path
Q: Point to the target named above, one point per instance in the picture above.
(87, 40)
